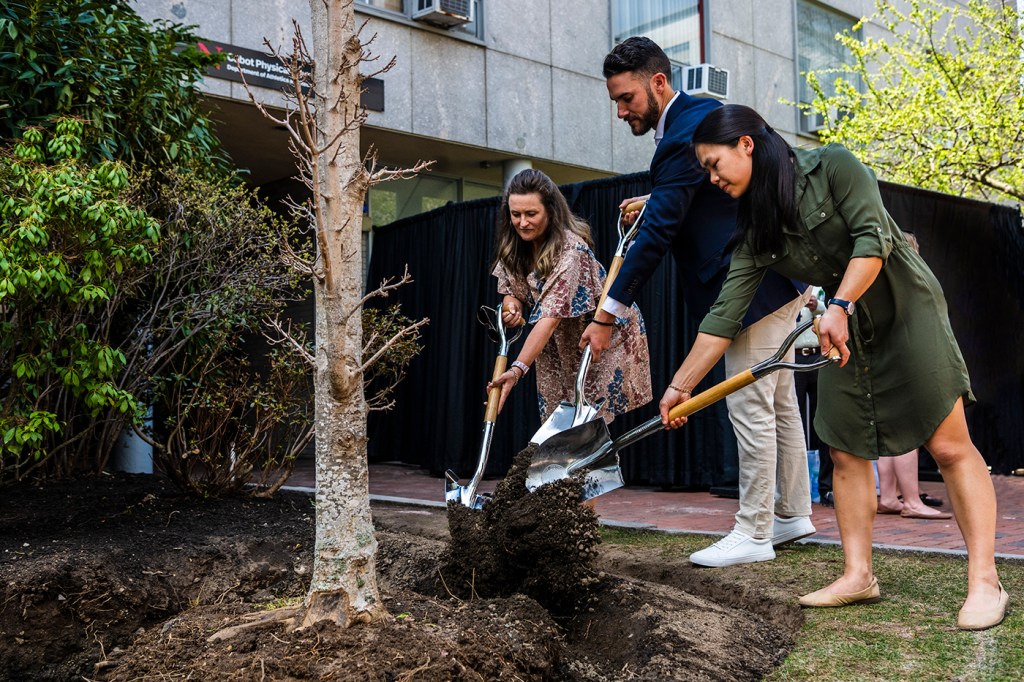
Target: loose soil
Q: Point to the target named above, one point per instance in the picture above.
(122, 577)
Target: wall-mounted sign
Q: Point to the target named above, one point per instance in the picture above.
(264, 70)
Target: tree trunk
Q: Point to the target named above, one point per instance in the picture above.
(344, 582)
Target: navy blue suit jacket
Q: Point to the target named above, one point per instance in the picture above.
(693, 218)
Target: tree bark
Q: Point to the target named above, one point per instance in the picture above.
(344, 583)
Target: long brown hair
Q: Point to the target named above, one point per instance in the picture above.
(515, 254)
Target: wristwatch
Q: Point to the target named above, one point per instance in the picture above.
(848, 306)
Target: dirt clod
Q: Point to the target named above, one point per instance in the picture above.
(540, 544)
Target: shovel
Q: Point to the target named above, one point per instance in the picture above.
(589, 447)
(453, 491)
(567, 415)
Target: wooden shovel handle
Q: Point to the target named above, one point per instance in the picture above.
(712, 395)
(613, 271)
(494, 395)
(635, 206)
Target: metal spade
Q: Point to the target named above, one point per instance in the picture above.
(466, 494)
(589, 449)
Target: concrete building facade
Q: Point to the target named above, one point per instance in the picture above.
(519, 85)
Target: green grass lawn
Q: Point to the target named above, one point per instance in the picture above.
(910, 635)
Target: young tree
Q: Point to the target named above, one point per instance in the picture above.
(323, 123)
(943, 102)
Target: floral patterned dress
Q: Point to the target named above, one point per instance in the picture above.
(571, 292)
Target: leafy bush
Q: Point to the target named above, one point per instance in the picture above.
(133, 82)
(73, 243)
(218, 280)
(230, 425)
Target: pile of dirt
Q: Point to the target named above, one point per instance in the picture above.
(122, 578)
(540, 544)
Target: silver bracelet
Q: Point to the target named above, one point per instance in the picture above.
(522, 366)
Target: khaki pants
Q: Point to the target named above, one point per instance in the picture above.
(769, 432)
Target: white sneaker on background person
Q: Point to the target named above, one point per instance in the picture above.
(791, 529)
(735, 548)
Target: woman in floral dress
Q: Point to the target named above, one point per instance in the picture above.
(550, 278)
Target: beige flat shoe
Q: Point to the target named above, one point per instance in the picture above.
(823, 599)
(986, 618)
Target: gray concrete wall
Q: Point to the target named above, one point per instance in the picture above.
(756, 41)
(532, 88)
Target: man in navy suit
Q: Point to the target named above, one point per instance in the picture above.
(693, 218)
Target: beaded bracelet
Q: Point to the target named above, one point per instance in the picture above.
(681, 390)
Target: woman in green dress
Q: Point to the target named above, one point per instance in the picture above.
(817, 216)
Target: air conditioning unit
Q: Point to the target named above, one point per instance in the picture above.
(444, 13)
(705, 80)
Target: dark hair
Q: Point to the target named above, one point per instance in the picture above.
(769, 203)
(515, 254)
(640, 55)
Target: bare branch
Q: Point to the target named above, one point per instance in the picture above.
(387, 285)
(398, 336)
(284, 335)
(385, 174)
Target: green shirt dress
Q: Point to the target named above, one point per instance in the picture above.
(905, 371)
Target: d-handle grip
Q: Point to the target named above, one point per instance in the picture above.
(635, 206)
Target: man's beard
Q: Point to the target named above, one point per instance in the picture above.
(649, 120)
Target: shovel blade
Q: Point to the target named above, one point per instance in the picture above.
(570, 451)
(603, 480)
(460, 494)
(562, 419)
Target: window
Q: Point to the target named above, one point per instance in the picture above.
(389, 5)
(408, 9)
(818, 49)
(397, 199)
(675, 25)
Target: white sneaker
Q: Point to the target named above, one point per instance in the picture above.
(735, 548)
(791, 529)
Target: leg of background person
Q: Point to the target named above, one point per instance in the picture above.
(802, 383)
(974, 504)
(905, 468)
(888, 490)
(753, 421)
(854, 480)
(824, 459)
(825, 474)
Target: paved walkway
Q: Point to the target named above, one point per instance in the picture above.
(689, 512)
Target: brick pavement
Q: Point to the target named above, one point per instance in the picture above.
(701, 512)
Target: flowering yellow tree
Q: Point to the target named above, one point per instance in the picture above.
(943, 102)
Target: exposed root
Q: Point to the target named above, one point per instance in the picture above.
(285, 617)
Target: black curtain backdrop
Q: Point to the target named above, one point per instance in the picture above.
(976, 250)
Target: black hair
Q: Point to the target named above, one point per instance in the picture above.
(769, 204)
(640, 55)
